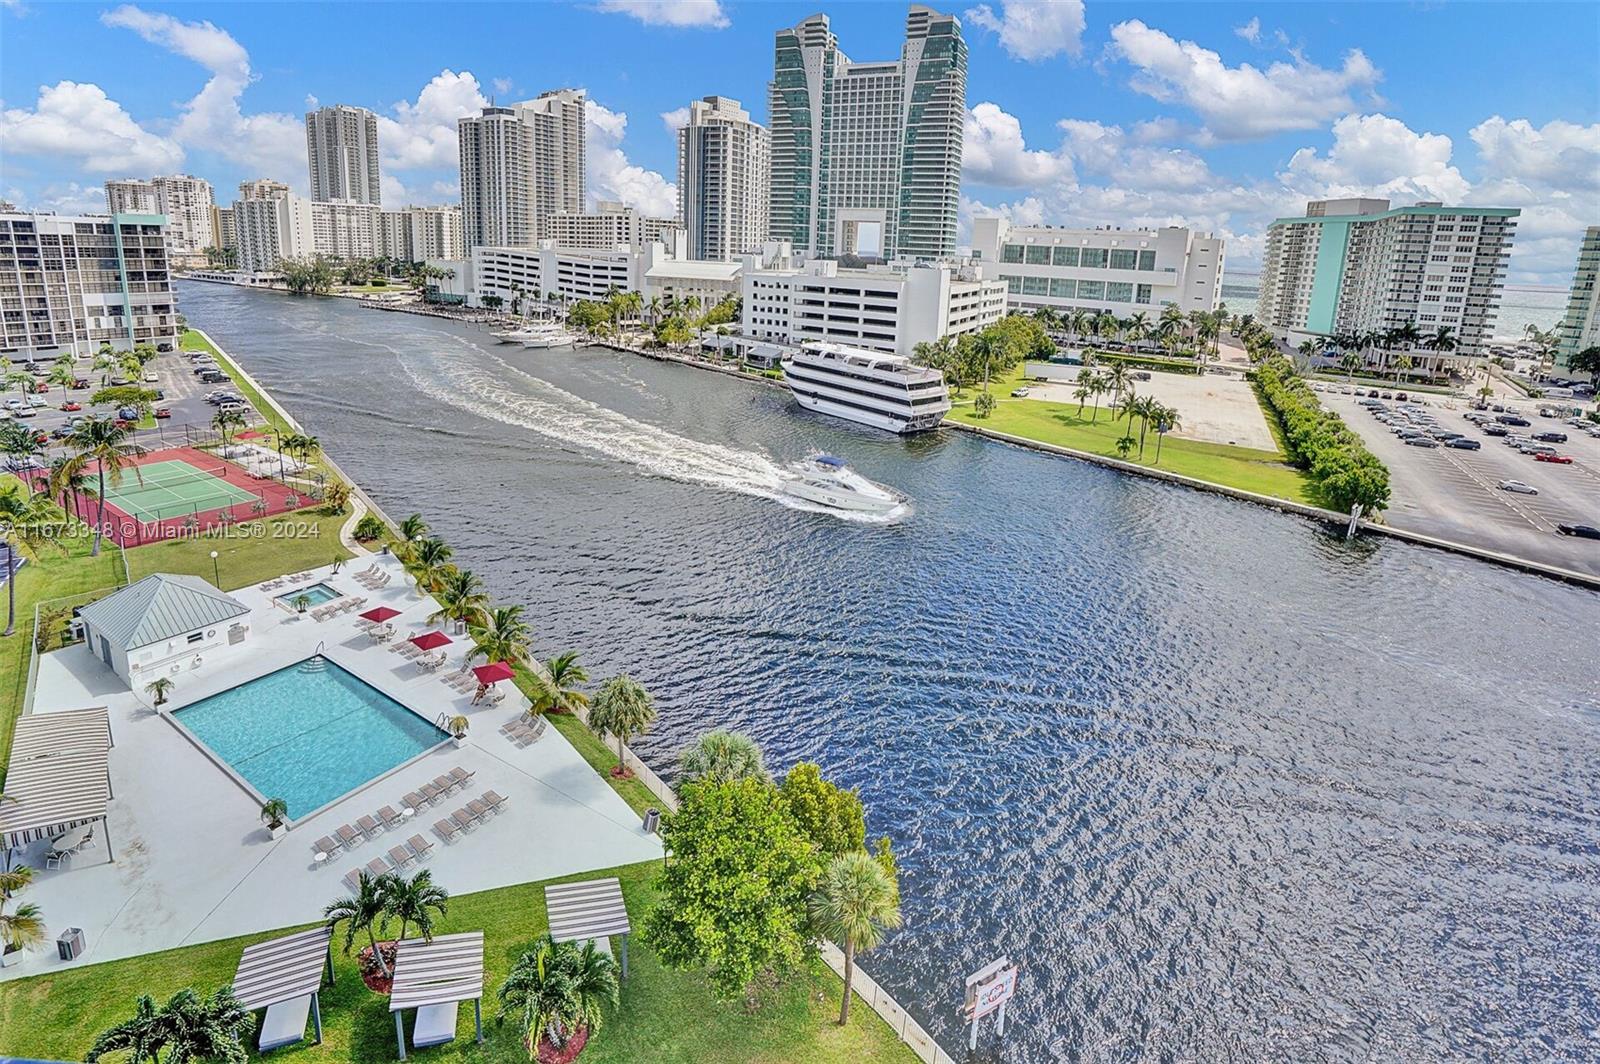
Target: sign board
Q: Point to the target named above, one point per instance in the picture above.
(991, 995)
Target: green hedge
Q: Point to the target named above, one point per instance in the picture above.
(1321, 443)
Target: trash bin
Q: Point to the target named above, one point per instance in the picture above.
(70, 945)
(652, 820)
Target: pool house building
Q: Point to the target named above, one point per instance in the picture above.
(161, 625)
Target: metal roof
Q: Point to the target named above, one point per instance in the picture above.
(591, 909)
(450, 968)
(58, 777)
(159, 607)
(282, 969)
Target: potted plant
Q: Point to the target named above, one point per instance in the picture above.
(301, 602)
(458, 729)
(275, 814)
(158, 689)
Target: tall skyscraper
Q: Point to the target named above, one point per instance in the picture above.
(271, 224)
(1354, 266)
(724, 174)
(262, 188)
(520, 166)
(186, 201)
(342, 153)
(1580, 326)
(857, 146)
(131, 196)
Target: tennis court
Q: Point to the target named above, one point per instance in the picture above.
(174, 488)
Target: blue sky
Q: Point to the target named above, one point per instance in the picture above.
(1218, 115)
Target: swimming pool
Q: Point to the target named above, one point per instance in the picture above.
(308, 733)
(317, 593)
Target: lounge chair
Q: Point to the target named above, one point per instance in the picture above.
(460, 776)
(348, 835)
(493, 800)
(445, 784)
(432, 792)
(447, 831)
(285, 1024)
(478, 809)
(369, 826)
(463, 820)
(495, 696)
(327, 845)
(399, 856)
(420, 846)
(390, 818)
(427, 664)
(436, 1025)
(352, 878)
(376, 867)
(415, 800)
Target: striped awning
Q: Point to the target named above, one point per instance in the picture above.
(591, 909)
(282, 969)
(59, 775)
(450, 968)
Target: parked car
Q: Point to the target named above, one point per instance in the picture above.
(1421, 441)
(14, 403)
(80, 384)
(1513, 419)
(1551, 437)
(1498, 409)
(37, 403)
(152, 378)
(163, 413)
(128, 413)
(1518, 487)
(24, 411)
(1400, 396)
(1581, 531)
(70, 405)
(118, 382)
(1556, 459)
(1461, 443)
(1019, 393)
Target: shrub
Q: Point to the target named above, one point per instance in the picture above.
(369, 528)
(1320, 442)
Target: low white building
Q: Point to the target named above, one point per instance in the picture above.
(890, 308)
(161, 626)
(535, 275)
(608, 226)
(1125, 271)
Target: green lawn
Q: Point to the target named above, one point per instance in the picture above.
(664, 1016)
(1264, 472)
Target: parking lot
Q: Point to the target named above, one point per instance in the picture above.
(1456, 494)
(183, 397)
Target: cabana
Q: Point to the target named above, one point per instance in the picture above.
(284, 976)
(434, 978)
(59, 777)
(592, 909)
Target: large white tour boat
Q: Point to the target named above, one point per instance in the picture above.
(869, 387)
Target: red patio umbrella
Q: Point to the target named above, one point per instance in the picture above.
(431, 640)
(493, 673)
(380, 613)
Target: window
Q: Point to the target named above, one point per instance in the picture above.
(1011, 253)
(1124, 259)
(1147, 261)
(1013, 284)
(1142, 294)
(1117, 292)
(1038, 255)
(1064, 257)
(1035, 286)
(195, 637)
(1091, 290)
(1061, 289)
(1094, 257)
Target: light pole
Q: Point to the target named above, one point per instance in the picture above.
(216, 576)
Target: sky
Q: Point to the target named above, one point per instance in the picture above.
(1220, 116)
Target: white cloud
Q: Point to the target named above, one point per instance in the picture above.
(422, 134)
(1555, 154)
(993, 152)
(503, 86)
(395, 193)
(66, 198)
(1382, 156)
(1130, 159)
(707, 14)
(272, 144)
(312, 103)
(1034, 29)
(78, 122)
(1250, 31)
(675, 120)
(612, 177)
(1240, 102)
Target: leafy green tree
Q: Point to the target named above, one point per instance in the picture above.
(733, 897)
(723, 755)
(1587, 361)
(855, 905)
(983, 405)
(186, 1028)
(622, 708)
(831, 817)
(1124, 446)
(558, 989)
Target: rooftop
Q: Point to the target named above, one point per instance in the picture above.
(160, 607)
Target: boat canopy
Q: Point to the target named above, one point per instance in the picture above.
(830, 461)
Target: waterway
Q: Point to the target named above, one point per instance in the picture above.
(1223, 784)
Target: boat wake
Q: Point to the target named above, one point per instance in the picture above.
(483, 383)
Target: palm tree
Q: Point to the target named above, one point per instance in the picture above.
(411, 530)
(159, 689)
(22, 928)
(1082, 392)
(1170, 326)
(1402, 364)
(502, 635)
(1137, 329)
(141, 1037)
(21, 443)
(856, 903)
(462, 599)
(1442, 342)
(26, 524)
(415, 901)
(225, 422)
(1120, 380)
(565, 675)
(622, 708)
(1350, 363)
(722, 755)
(62, 375)
(1097, 387)
(103, 442)
(430, 564)
(188, 1027)
(1147, 408)
(1167, 420)
(1078, 322)
(559, 988)
(365, 910)
(66, 482)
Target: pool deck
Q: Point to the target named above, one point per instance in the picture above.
(193, 862)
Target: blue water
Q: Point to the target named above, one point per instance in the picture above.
(308, 733)
(1228, 787)
(317, 593)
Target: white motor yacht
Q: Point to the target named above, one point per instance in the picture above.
(829, 481)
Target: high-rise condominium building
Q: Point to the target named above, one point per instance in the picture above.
(262, 188)
(222, 227)
(609, 225)
(520, 166)
(1580, 326)
(1125, 271)
(1354, 267)
(875, 145)
(724, 175)
(69, 283)
(185, 200)
(417, 234)
(271, 225)
(342, 154)
(346, 229)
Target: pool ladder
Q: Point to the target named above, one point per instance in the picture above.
(315, 663)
